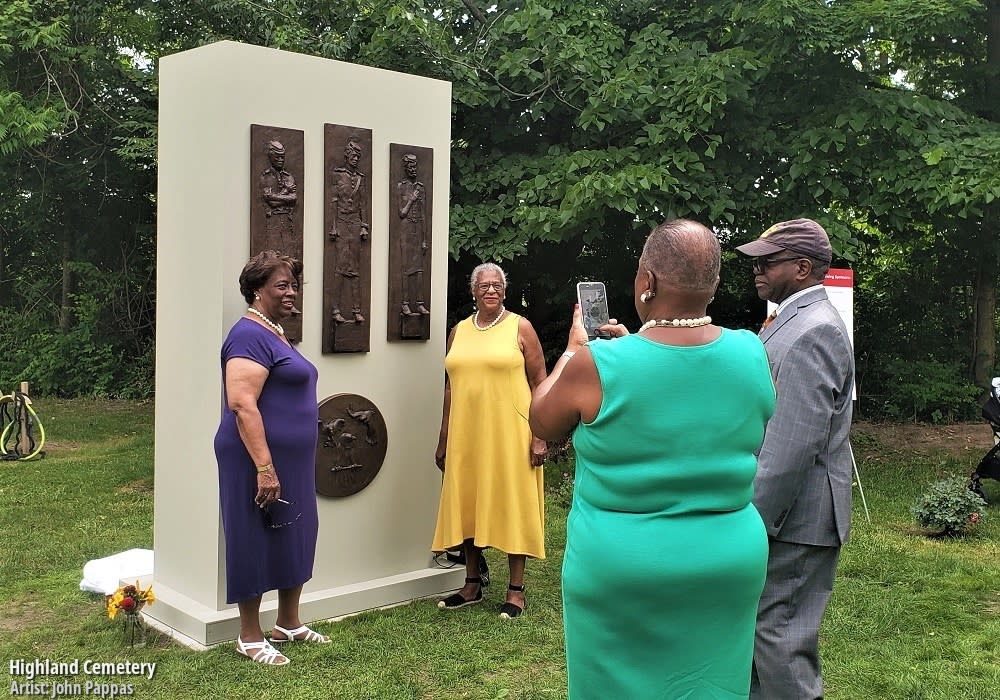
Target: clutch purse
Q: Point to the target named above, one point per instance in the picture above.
(281, 513)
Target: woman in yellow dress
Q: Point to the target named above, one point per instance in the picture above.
(492, 492)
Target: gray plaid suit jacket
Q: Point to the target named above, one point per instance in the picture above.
(804, 473)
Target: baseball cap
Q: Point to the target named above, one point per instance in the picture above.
(802, 236)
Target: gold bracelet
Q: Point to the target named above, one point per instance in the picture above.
(263, 468)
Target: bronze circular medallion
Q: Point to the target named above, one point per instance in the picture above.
(352, 444)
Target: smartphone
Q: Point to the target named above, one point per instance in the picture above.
(593, 301)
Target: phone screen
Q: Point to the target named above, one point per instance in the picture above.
(594, 307)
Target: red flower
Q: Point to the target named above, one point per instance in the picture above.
(129, 590)
(128, 603)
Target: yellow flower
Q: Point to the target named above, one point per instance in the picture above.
(113, 602)
(137, 594)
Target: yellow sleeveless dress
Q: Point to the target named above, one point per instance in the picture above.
(491, 493)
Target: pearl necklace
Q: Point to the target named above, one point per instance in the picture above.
(275, 326)
(475, 320)
(677, 323)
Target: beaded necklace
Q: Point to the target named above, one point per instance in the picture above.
(275, 326)
(475, 320)
(676, 323)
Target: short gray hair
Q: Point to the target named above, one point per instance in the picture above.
(486, 267)
(684, 253)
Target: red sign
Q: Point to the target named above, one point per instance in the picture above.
(837, 277)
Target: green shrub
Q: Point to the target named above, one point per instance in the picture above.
(949, 508)
(107, 351)
(929, 389)
(560, 471)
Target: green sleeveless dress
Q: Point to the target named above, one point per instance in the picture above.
(665, 554)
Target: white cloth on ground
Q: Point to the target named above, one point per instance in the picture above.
(103, 575)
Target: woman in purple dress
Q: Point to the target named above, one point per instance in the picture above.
(266, 449)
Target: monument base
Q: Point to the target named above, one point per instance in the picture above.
(205, 626)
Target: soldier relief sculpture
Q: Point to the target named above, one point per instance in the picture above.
(347, 265)
(411, 169)
(279, 197)
(412, 238)
(352, 444)
(348, 232)
(276, 168)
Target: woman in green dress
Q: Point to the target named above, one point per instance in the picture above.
(665, 554)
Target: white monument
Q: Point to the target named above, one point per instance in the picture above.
(373, 548)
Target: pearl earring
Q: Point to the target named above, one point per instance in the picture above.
(646, 296)
(256, 296)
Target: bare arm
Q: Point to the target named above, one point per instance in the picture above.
(244, 381)
(442, 447)
(571, 393)
(531, 348)
(534, 369)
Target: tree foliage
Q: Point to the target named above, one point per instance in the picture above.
(78, 206)
(576, 128)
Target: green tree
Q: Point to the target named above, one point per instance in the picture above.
(584, 125)
(576, 128)
(77, 214)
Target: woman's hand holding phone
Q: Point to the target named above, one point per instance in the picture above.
(577, 331)
(614, 329)
(593, 300)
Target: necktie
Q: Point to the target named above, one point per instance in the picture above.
(769, 320)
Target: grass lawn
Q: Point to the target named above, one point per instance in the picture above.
(911, 617)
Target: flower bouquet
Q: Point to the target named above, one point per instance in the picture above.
(129, 601)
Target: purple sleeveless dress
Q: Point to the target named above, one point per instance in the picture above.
(260, 558)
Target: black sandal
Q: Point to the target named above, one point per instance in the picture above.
(457, 600)
(508, 611)
(484, 567)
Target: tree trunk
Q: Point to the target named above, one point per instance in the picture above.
(5, 285)
(65, 300)
(984, 357)
(992, 73)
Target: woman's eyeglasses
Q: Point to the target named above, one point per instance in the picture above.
(281, 513)
(487, 286)
(761, 265)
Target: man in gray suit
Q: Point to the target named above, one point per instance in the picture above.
(803, 483)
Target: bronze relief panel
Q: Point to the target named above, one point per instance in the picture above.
(352, 444)
(347, 215)
(276, 171)
(411, 175)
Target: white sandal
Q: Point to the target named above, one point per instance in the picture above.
(261, 652)
(293, 635)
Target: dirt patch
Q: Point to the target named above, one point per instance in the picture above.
(26, 613)
(138, 486)
(55, 445)
(967, 441)
(992, 605)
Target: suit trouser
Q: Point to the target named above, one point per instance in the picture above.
(786, 648)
